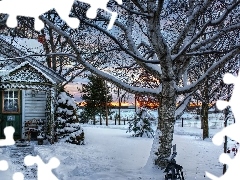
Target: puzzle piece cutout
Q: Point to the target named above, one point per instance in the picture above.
(18, 176)
(44, 170)
(34, 8)
(231, 131)
(3, 165)
(8, 141)
(100, 4)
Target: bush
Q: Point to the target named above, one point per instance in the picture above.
(141, 124)
(67, 121)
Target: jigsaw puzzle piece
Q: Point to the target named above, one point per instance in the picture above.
(3, 165)
(63, 8)
(101, 4)
(18, 176)
(8, 132)
(44, 170)
(35, 8)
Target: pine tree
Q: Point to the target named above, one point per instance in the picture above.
(67, 123)
(141, 124)
(97, 98)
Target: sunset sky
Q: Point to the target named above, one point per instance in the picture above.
(72, 88)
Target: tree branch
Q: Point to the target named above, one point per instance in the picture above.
(94, 70)
(212, 68)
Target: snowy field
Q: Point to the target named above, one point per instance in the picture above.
(111, 153)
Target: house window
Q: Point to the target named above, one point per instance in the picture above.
(10, 101)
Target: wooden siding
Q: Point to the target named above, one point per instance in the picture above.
(34, 106)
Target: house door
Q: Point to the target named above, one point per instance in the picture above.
(11, 112)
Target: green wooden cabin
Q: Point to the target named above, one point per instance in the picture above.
(27, 92)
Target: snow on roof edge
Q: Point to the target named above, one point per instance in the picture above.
(40, 71)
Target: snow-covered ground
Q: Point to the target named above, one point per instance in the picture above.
(111, 153)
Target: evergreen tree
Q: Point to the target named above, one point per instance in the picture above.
(97, 98)
(67, 123)
(141, 124)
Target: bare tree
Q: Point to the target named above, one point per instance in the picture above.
(162, 38)
(209, 91)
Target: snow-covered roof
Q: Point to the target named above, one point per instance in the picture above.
(27, 76)
(8, 50)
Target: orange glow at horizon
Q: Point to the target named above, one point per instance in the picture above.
(113, 104)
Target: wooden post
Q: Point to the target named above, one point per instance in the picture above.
(226, 116)
(106, 104)
(135, 103)
(119, 104)
(225, 138)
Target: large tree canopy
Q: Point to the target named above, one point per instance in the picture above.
(163, 38)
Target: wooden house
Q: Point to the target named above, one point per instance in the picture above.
(28, 92)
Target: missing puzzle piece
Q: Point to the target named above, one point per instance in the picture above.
(35, 8)
(44, 170)
(8, 132)
(3, 165)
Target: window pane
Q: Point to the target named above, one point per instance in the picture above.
(5, 94)
(10, 101)
(5, 105)
(15, 105)
(10, 94)
(15, 94)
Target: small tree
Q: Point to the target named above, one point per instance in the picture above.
(141, 124)
(67, 123)
(97, 98)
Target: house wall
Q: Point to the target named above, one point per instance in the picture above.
(11, 117)
(33, 105)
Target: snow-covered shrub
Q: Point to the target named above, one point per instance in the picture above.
(76, 136)
(67, 121)
(83, 117)
(141, 124)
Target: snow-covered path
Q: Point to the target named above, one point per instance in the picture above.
(110, 153)
(6, 175)
(17, 155)
(113, 154)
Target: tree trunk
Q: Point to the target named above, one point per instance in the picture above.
(119, 107)
(94, 120)
(135, 102)
(205, 110)
(100, 119)
(165, 124)
(201, 115)
(205, 120)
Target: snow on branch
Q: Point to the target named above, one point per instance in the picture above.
(190, 42)
(191, 20)
(140, 60)
(32, 55)
(94, 70)
(119, 44)
(194, 86)
(216, 36)
(225, 14)
(206, 52)
(139, 5)
(200, 32)
(182, 106)
(135, 12)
